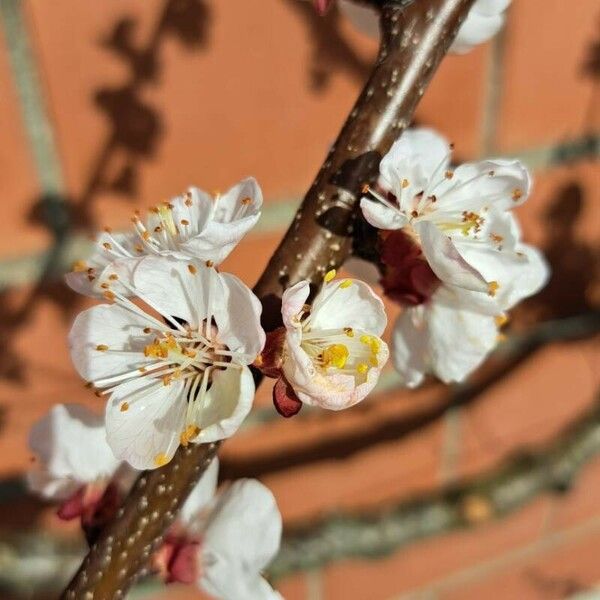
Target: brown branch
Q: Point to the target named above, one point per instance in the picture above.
(414, 41)
(551, 468)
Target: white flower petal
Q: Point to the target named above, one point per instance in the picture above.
(237, 316)
(242, 536)
(445, 260)
(442, 338)
(381, 216)
(226, 404)
(415, 157)
(112, 326)
(409, 346)
(169, 285)
(483, 22)
(146, 433)
(70, 442)
(234, 214)
(356, 306)
(472, 187)
(292, 301)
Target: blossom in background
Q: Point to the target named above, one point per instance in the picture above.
(330, 353)
(459, 217)
(484, 20)
(451, 254)
(219, 542)
(76, 467)
(223, 542)
(177, 380)
(190, 226)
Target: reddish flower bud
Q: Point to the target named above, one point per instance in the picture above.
(285, 400)
(270, 359)
(176, 561)
(408, 278)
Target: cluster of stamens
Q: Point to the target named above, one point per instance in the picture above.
(344, 350)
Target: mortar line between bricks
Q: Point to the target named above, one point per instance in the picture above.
(26, 269)
(451, 445)
(493, 92)
(497, 564)
(314, 585)
(27, 81)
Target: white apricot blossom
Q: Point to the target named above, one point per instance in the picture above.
(459, 217)
(483, 22)
(75, 465)
(70, 445)
(193, 225)
(450, 333)
(177, 380)
(222, 542)
(333, 353)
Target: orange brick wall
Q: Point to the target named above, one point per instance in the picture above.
(262, 88)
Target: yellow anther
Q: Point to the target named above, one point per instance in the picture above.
(449, 174)
(362, 368)
(500, 319)
(349, 332)
(79, 266)
(517, 194)
(209, 263)
(102, 347)
(147, 329)
(109, 295)
(113, 277)
(192, 269)
(124, 407)
(329, 275)
(247, 200)
(166, 379)
(185, 222)
(365, 188)
(107, 246)
(493, 287)
(373, 360)
(405, 183)
(335, 355)
(160, 460)
(146, 235)
(188, 434)
(346, 283)
(372, 342)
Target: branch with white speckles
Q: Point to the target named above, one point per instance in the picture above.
(381, 531)
(415, 37)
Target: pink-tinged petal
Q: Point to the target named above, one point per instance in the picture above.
(322, 6)
(348, 303)
(381, 216)
(70, 442)
(225, 405)
(242, 537)
(285, 400)
(292, 301)
(100, 329)
(445, 260)
(144, 421)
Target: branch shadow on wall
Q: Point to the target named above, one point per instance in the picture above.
(135, 128)
(569, 294)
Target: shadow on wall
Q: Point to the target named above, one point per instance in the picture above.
(134, 132)
(331, 52)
